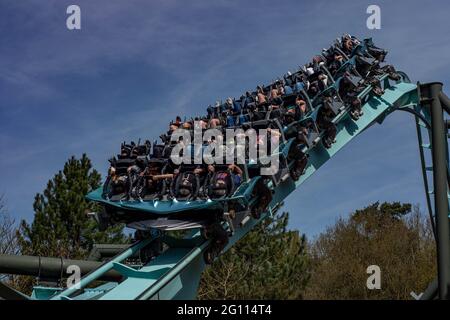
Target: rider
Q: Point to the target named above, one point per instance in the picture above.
(262, 100)
(324, 122)
(301, 109)
(236, 174)
(220, 185)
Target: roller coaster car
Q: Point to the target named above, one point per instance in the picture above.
(306, 130)
(296, 158)
(289, 99)
(122, 174)
(275, 168)
(152, 184)
(352, 93)
(325, 122)
(362, 71)
(252, 197)
(190, 209)
(263, 194)
(368, 49)
(365, 66)
(293, 83)
(220, 184)
(187, 199)
(243, 118)
(351, 68)
(185, 184)
(330, 97)
(265, 124)
(336, 49)
(124, 170)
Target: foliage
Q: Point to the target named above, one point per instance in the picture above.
(269, 263)
(61, 227)
(391, 235)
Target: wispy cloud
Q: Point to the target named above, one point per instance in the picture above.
(137, 64)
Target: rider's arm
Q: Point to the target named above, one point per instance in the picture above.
(234, 168)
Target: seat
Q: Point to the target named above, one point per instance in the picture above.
(355, 80)
(231, 121)
(288, 90)
(312, 135)
(282, 174)
(158, 150)
(335, 104)
(261, 124)
(289, 99)
(185, 186)
(244, 118)
(331, 99)
(374, 51)
(226, 188)
(121, 165)
(237, 106)
(299, 86)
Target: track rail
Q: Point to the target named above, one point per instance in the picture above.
(175, 274)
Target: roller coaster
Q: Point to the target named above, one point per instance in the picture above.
(160, 266)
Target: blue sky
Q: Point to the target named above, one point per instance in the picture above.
(135, 65)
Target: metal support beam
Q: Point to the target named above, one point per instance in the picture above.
(431, 97)
(431, 292)
(105, 267)
(445, 101)
(9, 293)
(50, 268)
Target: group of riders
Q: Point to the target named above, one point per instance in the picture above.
(302, 107)
(300, 103)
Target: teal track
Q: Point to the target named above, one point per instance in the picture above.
(175, 274)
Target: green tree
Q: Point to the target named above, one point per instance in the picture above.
(268, 263)
(61, 227)
(394, 236)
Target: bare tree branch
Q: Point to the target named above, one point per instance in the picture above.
(8, 238)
